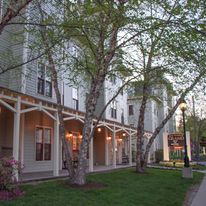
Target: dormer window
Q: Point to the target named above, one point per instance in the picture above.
(44, 85)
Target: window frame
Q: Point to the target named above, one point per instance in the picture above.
(131, 109)
(45, 80)
(75, 98)
(113, 109)
(43, 155)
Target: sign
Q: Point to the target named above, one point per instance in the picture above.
(203, 143)
(175, 139)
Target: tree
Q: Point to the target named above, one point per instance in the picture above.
(166, 52)
(97, 35)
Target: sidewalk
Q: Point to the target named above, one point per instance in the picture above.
(200, 197)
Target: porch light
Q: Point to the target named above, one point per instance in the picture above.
(69, 135)
(120, 140)
(99, 129)
(123, 134)
(80, 136)
(109, 138)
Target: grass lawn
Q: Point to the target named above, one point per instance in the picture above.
(124, 187)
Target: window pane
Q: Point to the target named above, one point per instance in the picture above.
(48, 74)
(39, 151)
(131, 111)
(40, 86)
(47, 136)
(74, 93)
(115, 105)
(75, 104)
(39, 144)
(41, 71)
(48, 89)
(47, 151)
(47, 144)
(39, 135)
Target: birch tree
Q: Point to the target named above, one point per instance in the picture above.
(172, 51)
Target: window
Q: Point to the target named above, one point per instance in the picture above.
(131, 110)
(114, 109)
(122, 117)
(43, 144)
(44, 85)
(75, 101)
(113, 79)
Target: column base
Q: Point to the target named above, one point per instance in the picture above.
(187, 172)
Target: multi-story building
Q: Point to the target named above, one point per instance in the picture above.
(156, 111)
(29, 126)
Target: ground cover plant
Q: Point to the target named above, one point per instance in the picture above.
(122, 187)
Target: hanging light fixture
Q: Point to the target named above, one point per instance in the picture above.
(99, 129)
(109, 138)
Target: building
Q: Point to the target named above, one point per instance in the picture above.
(29, 126)
(156, 111)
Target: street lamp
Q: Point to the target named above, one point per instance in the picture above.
(183, 107)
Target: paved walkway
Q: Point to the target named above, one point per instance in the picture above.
(200, 197)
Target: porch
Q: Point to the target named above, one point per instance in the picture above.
(39, 176)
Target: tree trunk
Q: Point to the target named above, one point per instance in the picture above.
(102, 64)
(45, 41)
(80, 174)
(140, 131)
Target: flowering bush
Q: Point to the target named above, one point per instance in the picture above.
(9, 187)
(9, 167)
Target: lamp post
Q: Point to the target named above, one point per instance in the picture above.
(183, 107)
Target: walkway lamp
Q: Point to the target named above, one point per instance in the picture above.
(183, 107)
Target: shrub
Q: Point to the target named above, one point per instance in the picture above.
(158, 155)
(8, 168)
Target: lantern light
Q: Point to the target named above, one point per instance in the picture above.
(99, 129)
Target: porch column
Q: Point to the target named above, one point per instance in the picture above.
(188, 144)
(114, 147)
(130, 148)
(91, 159)
(165, 147)
(203, 150)
(22, 139)
(16, 131)
(106, 147)
(60, 155)
(56, 146)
